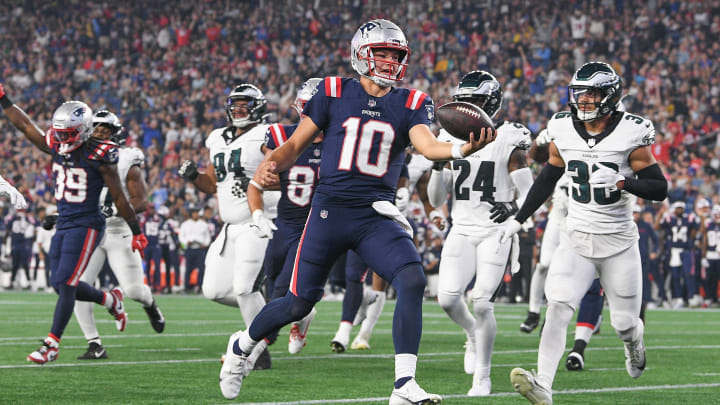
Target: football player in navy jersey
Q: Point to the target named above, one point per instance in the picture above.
(297, 185)
(81, 167)
(680, 229)
(711, 254)
(367, 124)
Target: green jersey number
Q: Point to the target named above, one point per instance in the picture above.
(583, 193)
(234, 166)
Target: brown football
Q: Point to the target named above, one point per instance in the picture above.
(460, 118)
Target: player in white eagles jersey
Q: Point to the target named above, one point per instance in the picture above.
(235, 257)
(606, 154)
(116, 243)
(550, 241)
(484, 188)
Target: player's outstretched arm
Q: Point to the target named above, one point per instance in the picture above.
(125, 210)
(204, 181)
(425, 142)
(137, 189)
(650, 183)
(285, 156)
(22, 122)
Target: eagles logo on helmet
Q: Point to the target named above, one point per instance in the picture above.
(255, 110)
(599, 81)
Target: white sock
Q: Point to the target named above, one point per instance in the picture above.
(583, 333)
(537, 288)
(374, 311)
(86, 318)
(246, 343)
(485, 338)
(250, 305)
(257, 351)
(52, 342)
(109, 300)
(343, 332)
(405, 365)
(552, 341)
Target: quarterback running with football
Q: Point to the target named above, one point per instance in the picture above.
(115, 245)
(81, 167)
(484, 188)
(606, 154)
(235, 257)
(367, 124)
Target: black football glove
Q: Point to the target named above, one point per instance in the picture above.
(107, 211)
(439, 165)
(188, 170)
(49, 221)
(500, 212)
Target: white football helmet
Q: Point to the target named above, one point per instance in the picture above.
(256, 107)
(376, 34)
(109, 119)
(305, 93)
(72, 125)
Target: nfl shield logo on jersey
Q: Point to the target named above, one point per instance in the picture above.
(372, 103)
(323, 214)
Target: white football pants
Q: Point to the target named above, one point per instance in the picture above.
(550, 242)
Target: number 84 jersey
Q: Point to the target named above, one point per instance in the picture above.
(235, 159)
(597, 210)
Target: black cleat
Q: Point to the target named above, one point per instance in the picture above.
(263, 362)
(337, 347)
(530, 323)
(574, 361)
(157, 320)
(94, 352)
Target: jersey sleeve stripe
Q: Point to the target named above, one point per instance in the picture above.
(275, 134)
(417, 99)
(333, 87)
(408, 103)
(282, 133)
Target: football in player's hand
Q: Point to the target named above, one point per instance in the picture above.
(460, 118)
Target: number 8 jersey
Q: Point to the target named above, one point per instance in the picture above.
(236, 158)
(596, 210)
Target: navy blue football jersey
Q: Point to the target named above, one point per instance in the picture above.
(298, 183)
(78, 182)
(713, 238)
(678, 230)
(364, 138)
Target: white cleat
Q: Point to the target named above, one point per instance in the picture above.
(635, 355)
(480, 390)
(360, 343)
(527, 385)
(298, 333)
(234, 369)
(696, 301)
(469, 361)
(411, 393)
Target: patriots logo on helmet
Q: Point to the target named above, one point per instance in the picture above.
(367, 27)
(79, 112)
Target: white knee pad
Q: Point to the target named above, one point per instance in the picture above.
(559, 312)
(448, 300)
(482, 308)
(139, 292)
(624, 324)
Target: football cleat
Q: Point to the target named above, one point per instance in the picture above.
(157, 320)
(94, 352)
(44, 354)
(233, 370)
(360, 343)
(337, 346)
(118, 309)
(411, 393)
(531, 322)
(263, 362)
(298, 333)
(635, 355)
(481, 389)
(574, 361)
(469, 360)
(527, 385)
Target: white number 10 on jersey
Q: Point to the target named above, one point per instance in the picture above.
(367, 135)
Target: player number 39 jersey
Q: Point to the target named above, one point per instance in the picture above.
(479, 180)
(596, 210)
(235, 160)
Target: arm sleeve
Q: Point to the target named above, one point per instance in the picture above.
(438, 187)
(541, 189)
(650, 184)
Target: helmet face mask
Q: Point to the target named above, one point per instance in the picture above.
(71, 125)
(241, 115)
(371, 37)
(482, 89)
(594, 91)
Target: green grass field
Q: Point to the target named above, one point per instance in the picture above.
(182, 364)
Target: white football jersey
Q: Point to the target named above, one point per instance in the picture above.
(418, 165)
(560, 197)
(482, 178)
(597, 210)
(127, 158)
(235, 162)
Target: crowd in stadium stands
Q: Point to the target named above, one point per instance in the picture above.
(166, 67)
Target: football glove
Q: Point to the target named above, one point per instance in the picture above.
(188, 170)
(543, 138)
(11, 193)
(439, 165)
(605, 177)
(437, 217)
(139, 243)
(511, 228)
(49, 221)
(500, 212)
(402, 198)
(264, 227)
(705, 263)
(108, 211)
